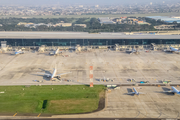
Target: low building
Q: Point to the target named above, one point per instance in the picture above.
(63, 24)
(25, 24)
(117, 20)
(81, 25)
(32, 25)
(22, 23)
(142, 23)
(177, 17)
(164, 27)
(106, 20)
(135, 20)
(130, 22)
(123, 17)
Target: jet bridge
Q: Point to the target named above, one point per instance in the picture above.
(153, 45)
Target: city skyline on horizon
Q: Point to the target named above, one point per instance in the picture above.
(82, 2)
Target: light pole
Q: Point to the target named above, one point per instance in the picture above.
(52, 44)
(88, 43)
(83, 42)
(70, 43)
(106, 43)
(34, 44)
(15, 45)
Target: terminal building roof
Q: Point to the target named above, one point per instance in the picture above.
(81, 35)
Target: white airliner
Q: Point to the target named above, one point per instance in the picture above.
(174, 91)
(135, 92)
(132, 51)
(19, 52)
(56, 52)
(172, 50)
(54, 74)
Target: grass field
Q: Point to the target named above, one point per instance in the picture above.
(96, 16)
(49, 99)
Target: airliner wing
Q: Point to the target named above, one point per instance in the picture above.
(45, 74)
(177, 51)
(131, 93)
(51, 53)
(63, 74)
(59, 52)
(129, 51)
(132, 52)
(168, 51)
(168, 91)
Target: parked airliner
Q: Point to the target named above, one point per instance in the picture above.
(19, 52)
(135, 92)
(172, 50)
(132, 51)
(56, 52)
(174, 91)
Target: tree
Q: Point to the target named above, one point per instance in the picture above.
(174, 22)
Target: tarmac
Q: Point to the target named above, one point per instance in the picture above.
(117, 65)
(152, 104)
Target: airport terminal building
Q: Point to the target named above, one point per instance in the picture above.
(84, 39)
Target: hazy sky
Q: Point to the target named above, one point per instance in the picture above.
(83, 2)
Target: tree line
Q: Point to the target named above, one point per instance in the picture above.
(93, 25)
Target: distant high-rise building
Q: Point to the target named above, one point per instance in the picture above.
(81, 6)
(150, 3)
(96, 6)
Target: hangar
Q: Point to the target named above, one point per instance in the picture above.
(84, 39)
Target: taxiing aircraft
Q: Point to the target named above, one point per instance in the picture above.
(174, 91)
(19, 52)
(56, 52)
(135, 92)
(172, 50)
(54, 74)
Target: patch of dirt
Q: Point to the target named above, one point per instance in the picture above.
(175, 68)
(101, 105)
(27, 114)
(99, 69)
(149, 70)
(128, 70)
(6, 114)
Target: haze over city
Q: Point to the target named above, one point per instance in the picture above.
(83, 2)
